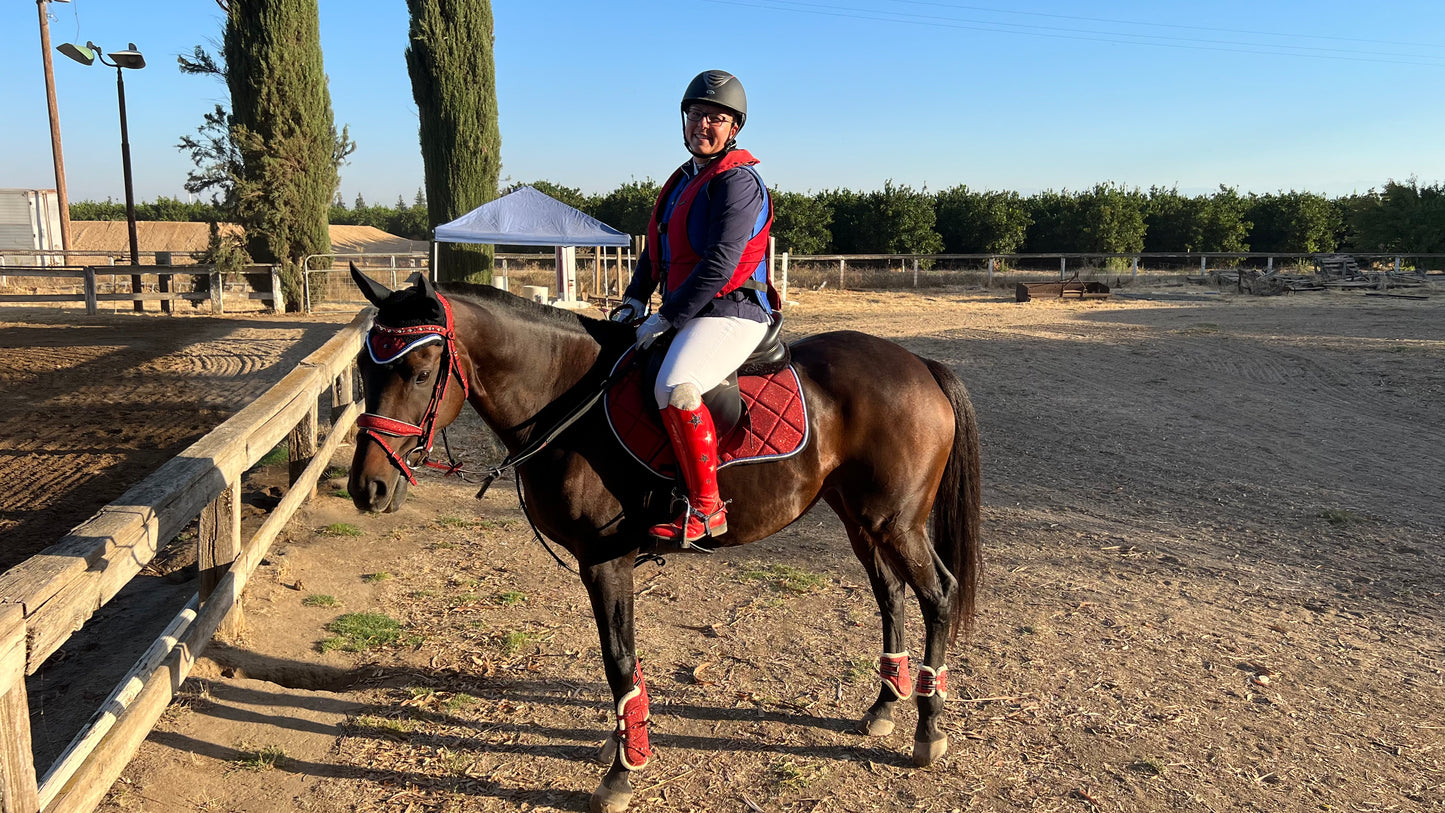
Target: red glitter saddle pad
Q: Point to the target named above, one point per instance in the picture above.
(775, 424)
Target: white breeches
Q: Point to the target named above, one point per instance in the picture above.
(703, 353)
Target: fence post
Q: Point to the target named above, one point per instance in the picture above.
(915, 272)
(842, 265)
(218, 292)
(92, 302)
(1134, 268)
(218, 543)
(783, 292)
(989, 282)
(19, 792)
(303, 448)
(163, 280)
(343, 393)
(1202, 261)
(1269, 266)
(278, 299)
(1063, 266)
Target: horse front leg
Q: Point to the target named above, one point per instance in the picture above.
(609, 586)
(893, 663)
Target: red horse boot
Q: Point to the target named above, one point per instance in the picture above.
(694, 441)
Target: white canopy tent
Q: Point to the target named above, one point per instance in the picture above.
(527, 217)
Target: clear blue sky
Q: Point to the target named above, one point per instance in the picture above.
(1329, 96)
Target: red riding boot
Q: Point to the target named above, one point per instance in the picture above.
(694, 441)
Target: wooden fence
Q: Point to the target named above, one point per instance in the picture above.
(51, 595)
(90, 295)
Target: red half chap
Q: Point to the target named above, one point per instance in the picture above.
(893, 666)
(634, 750)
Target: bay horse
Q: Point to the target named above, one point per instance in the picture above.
(892, 440)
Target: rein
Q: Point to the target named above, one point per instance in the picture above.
(541, 441)
(379, 427)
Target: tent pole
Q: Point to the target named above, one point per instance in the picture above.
(434, 253)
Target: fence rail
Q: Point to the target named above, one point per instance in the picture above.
(90, 294)
(991, 264)
(45, 599)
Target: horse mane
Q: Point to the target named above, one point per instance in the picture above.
(605, 332)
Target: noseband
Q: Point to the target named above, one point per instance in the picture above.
(386, 345)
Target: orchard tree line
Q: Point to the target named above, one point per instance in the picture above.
(1403, 217)
(1109, 218)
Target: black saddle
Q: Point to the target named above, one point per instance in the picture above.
(725, 401)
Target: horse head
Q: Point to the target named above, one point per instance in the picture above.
(413, 376)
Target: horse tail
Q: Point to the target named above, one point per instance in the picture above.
(958, 505)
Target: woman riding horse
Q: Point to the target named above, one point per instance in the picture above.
(892, 441)
(707, 246)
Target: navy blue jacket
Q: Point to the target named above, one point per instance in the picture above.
(722, 220)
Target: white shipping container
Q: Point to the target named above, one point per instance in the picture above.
(29, 222)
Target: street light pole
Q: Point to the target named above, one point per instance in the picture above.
(120, 60)
(62, 199)
(135, 279)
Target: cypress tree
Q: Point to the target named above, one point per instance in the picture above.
(283, 126)
(454, 83)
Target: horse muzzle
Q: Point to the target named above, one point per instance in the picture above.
(377, 494)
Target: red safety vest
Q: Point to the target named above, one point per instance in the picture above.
(682, 257)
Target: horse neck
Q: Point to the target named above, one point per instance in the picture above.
(517, 365)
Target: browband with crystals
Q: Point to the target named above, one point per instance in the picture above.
(387, 344)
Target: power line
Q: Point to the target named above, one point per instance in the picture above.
(1395, 43)
(1113, 37)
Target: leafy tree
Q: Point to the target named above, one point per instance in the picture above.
(162, 208)
(453, 80)
(1168, 220)
(1224, 225)
(628, 207)
(849, 217)
(1205, 223)
(1410, 218)
(1294, 222)
(901, 221)
(981, 222)
(272, 160)
(1110, 220)
(1053, 222)
(1351, 211)
(800, 223)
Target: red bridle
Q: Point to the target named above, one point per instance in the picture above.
(404, 340)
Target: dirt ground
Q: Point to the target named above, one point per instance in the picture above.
(1213, 583)
(89, 405)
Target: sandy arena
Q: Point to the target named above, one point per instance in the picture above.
(1214, 580)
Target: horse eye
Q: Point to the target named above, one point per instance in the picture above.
(421, 377)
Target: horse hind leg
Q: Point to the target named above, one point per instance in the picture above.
(934, 586)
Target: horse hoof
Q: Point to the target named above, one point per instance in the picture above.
(605, 800)
(876, 726)
(608, 752)
(926, 753)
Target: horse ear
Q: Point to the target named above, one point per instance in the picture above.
(375, 292)
(425, 286)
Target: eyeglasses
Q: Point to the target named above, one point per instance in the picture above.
(695, 115)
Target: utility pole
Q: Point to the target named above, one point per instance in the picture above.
(62, 198)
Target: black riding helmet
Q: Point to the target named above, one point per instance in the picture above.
(718, 88)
